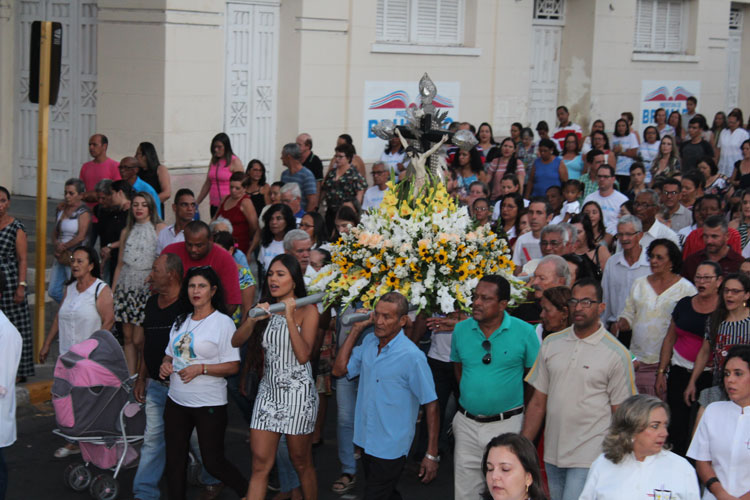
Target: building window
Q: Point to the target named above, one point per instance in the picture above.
(660, 26)
(421, 22)
(735, 20)
(549, 10)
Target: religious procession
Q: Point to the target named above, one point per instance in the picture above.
(540, 312)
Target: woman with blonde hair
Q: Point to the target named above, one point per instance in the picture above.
(635, 463)
(139, 243)
(667, 161)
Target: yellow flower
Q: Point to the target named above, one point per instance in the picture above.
(400, 261)
(391, 280)
(441, 257)
(463, 271)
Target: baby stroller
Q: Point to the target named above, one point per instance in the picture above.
(92, 394)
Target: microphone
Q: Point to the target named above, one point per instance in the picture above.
(258, 312)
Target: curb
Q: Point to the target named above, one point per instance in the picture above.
(33, 393)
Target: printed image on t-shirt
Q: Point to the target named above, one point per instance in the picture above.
(183, 352)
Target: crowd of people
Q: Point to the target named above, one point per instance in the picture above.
(633, 339)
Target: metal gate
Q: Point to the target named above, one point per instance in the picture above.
(73, 118)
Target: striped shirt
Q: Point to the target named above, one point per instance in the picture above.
(728, 334)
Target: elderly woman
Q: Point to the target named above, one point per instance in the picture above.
(555, 311)
(87, 306)
(635, 463)
(648, 310)
(511, 468)
(71, 230)
(720, 444)
(343, 183)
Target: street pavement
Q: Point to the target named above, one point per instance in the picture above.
(34, 474)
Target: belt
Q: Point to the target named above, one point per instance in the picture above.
(484, 419)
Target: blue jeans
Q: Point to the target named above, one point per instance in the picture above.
(346, 399)
(565, 483)
(288, 479)
(57, 280)
(153, 451)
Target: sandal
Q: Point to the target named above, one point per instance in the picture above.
(343, 484)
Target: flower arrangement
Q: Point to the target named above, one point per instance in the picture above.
(419, 243)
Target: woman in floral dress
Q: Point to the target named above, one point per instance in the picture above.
(139, 244)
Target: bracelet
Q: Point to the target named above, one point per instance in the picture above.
(661, 371)
(437, 459)
(711, 482)
(205, 370)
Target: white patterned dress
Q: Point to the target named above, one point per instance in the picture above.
(132, 291)
(287, 400)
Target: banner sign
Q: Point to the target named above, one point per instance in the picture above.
(389, 100)
(668, 94)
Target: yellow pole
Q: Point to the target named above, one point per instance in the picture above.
(45, 56)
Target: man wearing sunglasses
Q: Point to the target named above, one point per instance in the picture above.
(490, 352)
(580, 377)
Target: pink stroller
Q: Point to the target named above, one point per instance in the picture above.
(93, 398)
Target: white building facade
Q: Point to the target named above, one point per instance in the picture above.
(176, 72)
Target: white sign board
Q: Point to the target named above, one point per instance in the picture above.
(668, 94)
(389, 100)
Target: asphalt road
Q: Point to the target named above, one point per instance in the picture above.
(34, 474)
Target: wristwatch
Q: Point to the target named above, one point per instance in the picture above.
(432, 457)
(23, 284)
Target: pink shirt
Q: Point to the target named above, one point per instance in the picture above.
(219, 174)
(92, 172)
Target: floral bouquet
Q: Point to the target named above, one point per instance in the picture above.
(419, 243)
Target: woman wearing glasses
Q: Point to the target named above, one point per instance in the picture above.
(680, 348)
(728, 325)
(648, 310)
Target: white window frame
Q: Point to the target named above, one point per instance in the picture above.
(412, 35)
(684, 22)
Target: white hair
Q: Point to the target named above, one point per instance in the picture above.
(221, 220)
(293, 188)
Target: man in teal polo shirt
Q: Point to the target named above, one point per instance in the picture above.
(490, 353)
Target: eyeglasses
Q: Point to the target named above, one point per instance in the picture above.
(704, 278)
(480, 209)
(670, 193)
(637, 204)
(487, 358)
(304, 224)
(378, 172)
(733, 291)
(603, 176)
(550, 243)
(627, 235)
(585, 303)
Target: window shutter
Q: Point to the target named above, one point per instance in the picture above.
(658, 26)
(644, 22)
(392, 22)
(439, 22)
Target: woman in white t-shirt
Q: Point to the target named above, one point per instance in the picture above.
(198, 357)
(730, 143)
(634, 463)
(394, 156)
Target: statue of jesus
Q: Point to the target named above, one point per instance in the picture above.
(419, 160)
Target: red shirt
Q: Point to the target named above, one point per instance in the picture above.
(694, 242)
(220, 260)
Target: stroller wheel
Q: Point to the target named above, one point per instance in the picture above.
(77, 477)
(104, 487)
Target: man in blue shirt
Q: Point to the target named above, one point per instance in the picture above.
(129, 173)
(297, 173)
(394, 380)
(490, 352)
